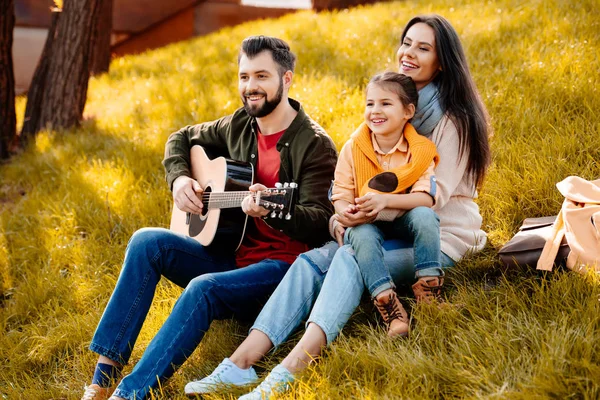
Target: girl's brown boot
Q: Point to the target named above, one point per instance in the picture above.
(392, 312)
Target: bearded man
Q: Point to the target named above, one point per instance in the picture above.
(273, 134)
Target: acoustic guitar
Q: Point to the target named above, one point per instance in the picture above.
(225, 182)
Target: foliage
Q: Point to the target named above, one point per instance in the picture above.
(69, 204)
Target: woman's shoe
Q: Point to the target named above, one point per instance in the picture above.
(278, 381)
(96, 392)
(226, 374)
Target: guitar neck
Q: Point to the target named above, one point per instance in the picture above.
(224, 199)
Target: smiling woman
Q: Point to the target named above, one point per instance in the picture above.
(431, 241)
(417, 55)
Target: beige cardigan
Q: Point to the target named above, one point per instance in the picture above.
(460, 221)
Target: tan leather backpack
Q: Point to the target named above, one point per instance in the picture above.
(579, 222)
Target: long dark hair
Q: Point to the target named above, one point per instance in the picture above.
(458, 95)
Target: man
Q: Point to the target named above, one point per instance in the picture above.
(274, 134)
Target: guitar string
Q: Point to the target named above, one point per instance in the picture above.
(232, 199)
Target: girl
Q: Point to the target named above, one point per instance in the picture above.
(390, 167)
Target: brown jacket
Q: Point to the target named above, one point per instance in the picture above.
(308, 158)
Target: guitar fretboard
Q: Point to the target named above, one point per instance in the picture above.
(224, 199)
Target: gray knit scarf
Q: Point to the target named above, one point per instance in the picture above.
(429, 110)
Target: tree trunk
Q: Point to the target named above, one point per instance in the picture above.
(35, 94)
(8, 119)
(69, 69)
(100, 57)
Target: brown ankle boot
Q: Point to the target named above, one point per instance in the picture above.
(429, 288)
(95, 392)
(393, 314)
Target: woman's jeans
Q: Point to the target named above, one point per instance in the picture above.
(329, 279)
(419, 226)
(214, 289)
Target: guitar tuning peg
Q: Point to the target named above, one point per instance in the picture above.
(288, 216)
(273, 214)
(286, 185)
(278, 185)
(280, 214)
(293, 185)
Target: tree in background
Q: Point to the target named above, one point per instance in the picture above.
(35, 94)
(8, 120)
(78, 44)
(101, 43)
(69, 70)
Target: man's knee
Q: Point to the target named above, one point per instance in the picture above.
(202, 286)
(148, 238)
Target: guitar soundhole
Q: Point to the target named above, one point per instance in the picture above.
(196, 225)
(196, 221)
(205, 203)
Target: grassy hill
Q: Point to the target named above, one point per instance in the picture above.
(69, 204)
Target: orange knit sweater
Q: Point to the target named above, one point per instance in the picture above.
(371, 177)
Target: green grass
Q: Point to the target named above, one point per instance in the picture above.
(69, 204)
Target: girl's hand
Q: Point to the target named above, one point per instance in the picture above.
(354, 219)
(351, 209)
(372, 203)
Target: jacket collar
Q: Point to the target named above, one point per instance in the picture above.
(290, 133)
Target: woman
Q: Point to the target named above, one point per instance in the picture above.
(451, 114)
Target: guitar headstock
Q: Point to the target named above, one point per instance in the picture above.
(279, 199)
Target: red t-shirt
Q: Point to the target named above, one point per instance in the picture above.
(261, 241)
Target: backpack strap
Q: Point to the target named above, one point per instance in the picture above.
(550, 250)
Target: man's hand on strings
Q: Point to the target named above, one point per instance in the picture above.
(187, 195)
(249, 205)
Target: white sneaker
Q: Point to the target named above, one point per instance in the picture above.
(278, 381)
(226, 373)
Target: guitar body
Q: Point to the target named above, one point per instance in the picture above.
(220, 228)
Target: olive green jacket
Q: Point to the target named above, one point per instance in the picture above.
(308, 157)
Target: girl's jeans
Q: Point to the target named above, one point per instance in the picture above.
(419, 226)
(329, 279)
(214, 289)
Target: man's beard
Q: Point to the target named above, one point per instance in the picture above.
(268, 106)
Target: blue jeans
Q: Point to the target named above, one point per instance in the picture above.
(419, 226)
(214, 289)
(329, 279)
